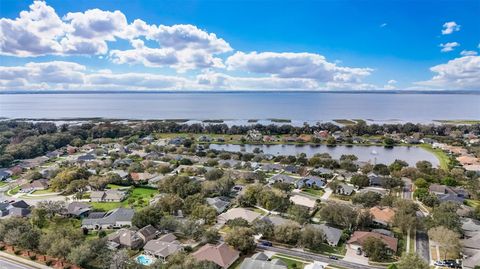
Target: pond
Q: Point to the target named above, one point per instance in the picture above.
(373, 154)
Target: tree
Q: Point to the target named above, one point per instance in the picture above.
(59, 241)
(376, 249)
(391, 183)
(263, 227)
(412, 261)
(204, 212)
(360, 180)
(241, 238)
(213, 174)
(169, 204)
(445, 215)
(299, 213)
(389, 142)
(211, 236)
(421, 183)
(19, 232)
(381, 169)
(406, 215)
(397, 165)
(447, 239)
(149, 215)
(238, 222)
(367, 199)
(287, 233)
(311, 237)
(340, 214)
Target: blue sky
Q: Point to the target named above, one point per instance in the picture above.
(188, 45)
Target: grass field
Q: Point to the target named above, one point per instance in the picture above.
(137, 194)
(292, 262)
(3, 183)
(13, 191)
(440, 154)
(314, 192)
(47, 191)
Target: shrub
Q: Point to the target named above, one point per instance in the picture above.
(48, 262)
(17, 252)
(33, 257)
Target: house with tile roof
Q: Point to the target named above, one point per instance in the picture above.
(359, 237)
(382, 215)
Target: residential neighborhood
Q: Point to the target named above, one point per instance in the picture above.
(166, 199)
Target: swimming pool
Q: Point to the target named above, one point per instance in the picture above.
(145, 259)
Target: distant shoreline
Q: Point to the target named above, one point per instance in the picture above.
(241, 92)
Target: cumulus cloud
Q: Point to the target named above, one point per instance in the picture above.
(447, 47)
(295, 65)
(450, 27)
(68, 75)
(40, 31)
(459, 73)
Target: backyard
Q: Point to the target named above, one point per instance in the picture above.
(138, 197)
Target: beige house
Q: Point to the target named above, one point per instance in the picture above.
(222, 254)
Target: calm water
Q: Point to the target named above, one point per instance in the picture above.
(373, 154)
(298, 107)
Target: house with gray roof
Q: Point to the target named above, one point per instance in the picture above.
(276, 220)
(332, 234)
(163, 247)
(260, 260)
(219, 203)
(345, 189)
(108, 196)
(78, 209)
(125, 238)
(115, 218)
(282, 178)
(148, 233)
(310, 182)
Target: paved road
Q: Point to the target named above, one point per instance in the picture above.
(9, 264)
(423, 247)
(317, 257)
(407, 189)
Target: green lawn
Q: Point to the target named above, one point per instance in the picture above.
(290, 261)
(440, 154)
(326, 248)
(137, 194)
(314, 192)
(472, 203)
(13, 191)
(43, 191)
(3, 183)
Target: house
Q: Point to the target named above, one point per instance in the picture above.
(125, 238)
(471, 243)
(163, 247)
(177, 141)
(115, 218)
(205, 139)
(310, 182)
(344, 189)
(39, 184)
(86, 158)
(219, 203)
(375, 180)
(260, 260)
(254, 135)
(222, 254)
(148, 233)
(14, 209)
(122, 162)
(316, 265)
(282, 178)
(4, 174)
(108, 196)
(332, 235)
(449, 194)
(271, 167)
(382, 215)
(137, 177)
(78, 209)
(321, 171)
(54, 154)
(238, 212)
(277, 220)
(122, 174)
(383, 231)
(358, 239)
(293, 169)
(303, 201)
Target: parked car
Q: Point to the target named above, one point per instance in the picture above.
(439, 263)
(266, 243)
(333, 257)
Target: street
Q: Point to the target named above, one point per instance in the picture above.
(422, 244)
(9, 264)
(317, 257)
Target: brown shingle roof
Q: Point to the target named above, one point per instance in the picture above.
(359, 237)
(222, 254)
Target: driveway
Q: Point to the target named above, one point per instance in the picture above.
(352, 256)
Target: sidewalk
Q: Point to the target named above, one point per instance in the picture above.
(27, 263)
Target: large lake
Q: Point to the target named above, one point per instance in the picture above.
(297, 106)
(372, 154)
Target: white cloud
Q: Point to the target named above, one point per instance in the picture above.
(447, 47)
(34, 32)
(450, 27)
(68, 75)
(383, 25)
(295, 65)
(459, 73)
(468, 53)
